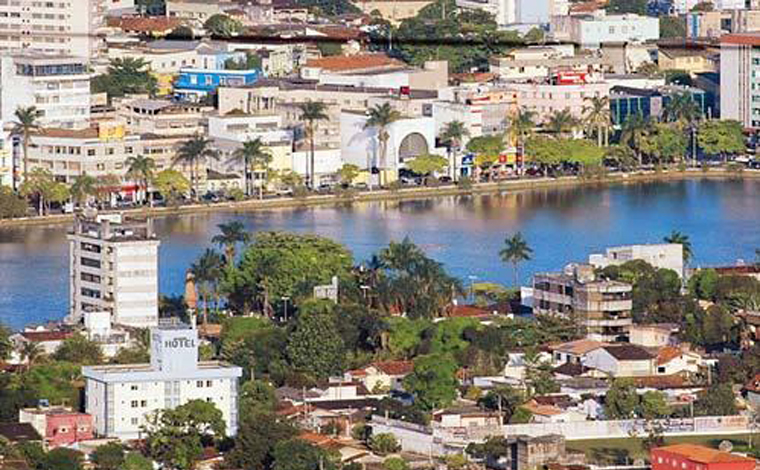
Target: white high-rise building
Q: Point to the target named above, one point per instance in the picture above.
(114, 268)
(504, 11)
(58, 86)
(121, 397)
(740, 78)
(660, 255)
(61, 26)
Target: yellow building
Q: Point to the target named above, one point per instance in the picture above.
(394, 11)
(692, 60)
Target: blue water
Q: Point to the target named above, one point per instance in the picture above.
(465, 233)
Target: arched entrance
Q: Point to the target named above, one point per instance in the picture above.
(412, 146)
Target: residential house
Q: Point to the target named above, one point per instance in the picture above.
(59, 426)
(661, 255)
(654, 335)
(466, 417)
(574, 352)
(383, 375)
(677, 360)
(48, 341)
(689, 59)
(622, 360)
(161, 117)
(697, 457)
(548, 413)
(195, 84)
(539, 62)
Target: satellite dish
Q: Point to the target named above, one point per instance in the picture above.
(726, 446)
(639, 463)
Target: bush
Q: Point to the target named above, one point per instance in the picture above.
(681, 167)
(360, 432)
(236, 194)
(384, 444)
(11, 204)
(300, 192)
(465, 183)
(394, 186)
(735, 167)
(395, 463)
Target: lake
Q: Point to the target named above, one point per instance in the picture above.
(464, 232)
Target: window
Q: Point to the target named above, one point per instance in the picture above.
(133, 421)
(133, 387)
(144, 403)
(199, 384)
(63, 429)
(208, 383)
(135, 403)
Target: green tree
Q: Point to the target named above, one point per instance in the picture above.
(231, 235)
(108, 456)
(136, 461)
(125, 76)
(452, 135)
(297, 454)
(665, 143)
(682, 239)
(6, 347)
(718, 400)
(312, 112)
(281, 265)
(380, 118)
(315, 346)
(534, 36)
(703, 283)
(635, 129)
(627, 6)
(207, 271)
(724, 137)
(621, 401)
(426, 165)
(141, 168)
(171, 184)
(173, 437)
(348, 173)
(192, 153)
(597, 116)
(63, 459)
(41, 184)
(672, 27)
(395, 463)
(515, 251)
(653, 405)
(83, 187)
(703, 6)
(222, 26)
(433, 381)
(561, 122)
(255, 157)
(257, 395)
(384, 444)
(78, 349)
(258, 434)
(11, 205)
(25, 125)
(682, 109)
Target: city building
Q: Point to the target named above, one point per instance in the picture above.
(692, 59)
(58, 86)
(528, 13)
(739, 91)
(622, 360)
(6, 159)
(198, 11)
(162, 117)
(541, 61)
(696, 457)
(394, 11)
(503, 11)
(58, 27)
(591, 31)
(653, 335)
(58, 425)
(661, 255)
(601, 307)
(484, 110)
(626, 101)
(195, 84)
(113, 266)
(121, 397)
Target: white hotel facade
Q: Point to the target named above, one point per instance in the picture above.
(121, 397)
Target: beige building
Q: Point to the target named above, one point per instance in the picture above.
(394, 11)
(60, 27)
(196, 10)
(540, 61)
(162, 117)
(692, 60)
(601, 308)
(546, 98)
(622, 360)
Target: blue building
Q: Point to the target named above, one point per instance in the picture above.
(195, 84)
(651, 103)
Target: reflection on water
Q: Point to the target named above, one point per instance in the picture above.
(464, 232)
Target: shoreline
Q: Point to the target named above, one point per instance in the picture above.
(398, 195)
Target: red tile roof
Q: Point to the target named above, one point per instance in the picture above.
(152, 24)
(703, 454)
(754, 384)
(667, 354)
(341, 63)
(743, 39)
(395, 367)
(39, 336)
(468, 311)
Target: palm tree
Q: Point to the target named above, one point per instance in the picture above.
(453, 134)
(515, 251)
(635, 129)
(597, 115)
(141, 168)
(311, 113)
(25, 125)
(193, 152)
(683, 240)
(84, 186)
(254, 155)
(521, 126)
(682, 109)
(380, 117)
(31, 353)
(561, 122)
(231, 234)
(207, 271)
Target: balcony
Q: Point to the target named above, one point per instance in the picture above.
(609, 323)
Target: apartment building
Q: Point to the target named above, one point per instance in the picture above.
(120, 398)
(626, 101)
(196, 10)
(660, 256)
(591, 31)
(162, 117)
(99, 151)
(510, 12)
(394, 11)
(601, 308)
(58, 86)
(740, 78)
(541, 61)
(59, 27)
(6, 159)
(113, 267)
(484, 110)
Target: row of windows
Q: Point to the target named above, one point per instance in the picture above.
(87, 277)
(91, 247)
(90, 263)
(95, 294)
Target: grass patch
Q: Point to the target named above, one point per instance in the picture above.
(623, 451)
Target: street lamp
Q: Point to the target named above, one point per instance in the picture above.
(285, 307)
(472, 279)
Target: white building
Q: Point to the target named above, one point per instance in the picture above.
(58, 86)
(590, 31)
(662, 255)
(510, 12)
(121, 397)
(540, 61)
(739, 72)
(113, 267)
(504, 11)
(60, 27)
